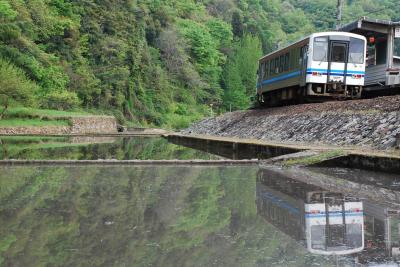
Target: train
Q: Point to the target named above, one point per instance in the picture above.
(319, 66)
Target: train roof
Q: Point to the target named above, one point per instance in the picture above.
(315, 35)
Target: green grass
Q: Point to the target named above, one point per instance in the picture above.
(32, 122)
(22, 112)
(23, 116)
(314, 159)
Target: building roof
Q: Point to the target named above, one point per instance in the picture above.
(368, 24)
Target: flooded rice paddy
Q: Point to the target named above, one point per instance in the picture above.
(93, 148)
(222, 215)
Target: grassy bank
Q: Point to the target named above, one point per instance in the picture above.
(23, 116)
(31, 117)
(32, 123)
(22, 112)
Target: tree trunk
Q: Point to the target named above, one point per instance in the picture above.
(3, 112)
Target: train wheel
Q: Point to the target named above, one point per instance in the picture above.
(260, 100)
(274, 99)
(264, 100)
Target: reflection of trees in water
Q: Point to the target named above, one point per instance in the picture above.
(94, 148)
(165, 216)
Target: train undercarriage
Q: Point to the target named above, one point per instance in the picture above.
(310, 93)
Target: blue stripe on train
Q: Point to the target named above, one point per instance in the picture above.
(280, 78)
(281, 203)
(334, 214)
(336, 71)
(310, 71)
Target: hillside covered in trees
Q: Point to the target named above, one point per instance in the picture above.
(150, 61)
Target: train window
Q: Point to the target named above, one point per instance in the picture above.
(272, 67)
(286, 65)
(318, 237)
(338, 53)
(356, 51)
(277, 65)
(354, 235)
(266, 69)
(263, 71)
(281, 63)
(320, 49)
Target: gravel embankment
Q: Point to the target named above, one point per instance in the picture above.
(370, 123)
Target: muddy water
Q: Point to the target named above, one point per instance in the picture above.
(195, 216)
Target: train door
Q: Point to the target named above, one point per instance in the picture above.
(337, 67)
(335, 227)
(303, 61)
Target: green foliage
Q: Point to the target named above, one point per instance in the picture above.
(221, 32)
(142, 58)
(15, 85)
(240, 73)
(63, 100)
(32, 122)
(24, 112)
(204, 51)
(6, 11)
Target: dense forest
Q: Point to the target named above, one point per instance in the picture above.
(150, 61)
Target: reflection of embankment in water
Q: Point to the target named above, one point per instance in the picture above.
(231, 149)
(377, 187)
(328, 222)
(92, 140)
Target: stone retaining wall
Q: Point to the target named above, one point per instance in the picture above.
(79, 125)
(376, 129)
(34, 130)
(93, 124)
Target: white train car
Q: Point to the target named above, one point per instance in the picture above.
(326, 64)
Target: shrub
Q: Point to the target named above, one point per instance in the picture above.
(61, 100)
(15, 86)
(119, 117)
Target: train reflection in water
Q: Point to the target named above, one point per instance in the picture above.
(329, 223)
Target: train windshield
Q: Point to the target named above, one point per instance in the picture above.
(356, 51)
(336, 237)
(320, 49)
(318, 238)
(339, 49)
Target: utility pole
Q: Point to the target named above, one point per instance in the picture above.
(339, 14)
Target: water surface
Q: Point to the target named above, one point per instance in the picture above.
(190, 216)
(93, 148)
